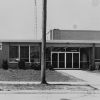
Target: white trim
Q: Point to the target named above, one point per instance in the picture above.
(79, 60)
(58, 59)
(66, 68)
(72, 60)
(65, 60)
(19, 51)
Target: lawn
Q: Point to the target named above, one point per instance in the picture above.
(35, 76)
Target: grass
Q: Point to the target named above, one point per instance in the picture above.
(35, 76)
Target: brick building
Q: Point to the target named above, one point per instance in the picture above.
(65, 49)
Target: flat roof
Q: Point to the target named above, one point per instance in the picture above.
(35, 41)
(54, 41)
(73, 41)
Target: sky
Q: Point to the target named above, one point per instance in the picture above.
(17, 17)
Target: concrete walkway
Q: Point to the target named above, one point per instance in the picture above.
(89, 77)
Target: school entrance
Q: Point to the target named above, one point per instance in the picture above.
(65, 60)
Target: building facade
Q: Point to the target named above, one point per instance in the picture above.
(65, 49)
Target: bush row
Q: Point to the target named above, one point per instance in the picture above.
(21, 65)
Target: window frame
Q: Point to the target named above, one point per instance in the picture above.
(28, 52)
(15, 61)
(19, 56)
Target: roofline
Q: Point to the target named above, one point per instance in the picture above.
(74, 41)
(54, 41)
(39, 41)
(78, 30)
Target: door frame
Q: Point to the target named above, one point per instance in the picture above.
(65, 59)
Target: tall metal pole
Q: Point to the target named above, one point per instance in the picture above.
(43, 50)
(35, 16)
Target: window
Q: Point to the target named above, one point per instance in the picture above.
(13, 53)
(35, 53)
(24, 53)
(97, 52)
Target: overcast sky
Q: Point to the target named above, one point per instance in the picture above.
(17, 17)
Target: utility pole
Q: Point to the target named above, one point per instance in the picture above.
(35, 16)
(43, 50)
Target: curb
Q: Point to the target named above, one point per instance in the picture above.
(48, 92)
(28, 82)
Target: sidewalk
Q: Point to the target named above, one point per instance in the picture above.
(91, 78)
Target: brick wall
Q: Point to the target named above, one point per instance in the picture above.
(4, 53)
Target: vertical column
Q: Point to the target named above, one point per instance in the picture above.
(58, 59)
(89, 57)
(79, 59)
(93, 56)
(72, 59)
(51, 55)
(40, 45)
(29, 54)
(65, 60)
(19, 51)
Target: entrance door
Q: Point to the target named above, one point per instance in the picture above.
(75, 60)
(69, 60)
(55, 60)
(65, 60)
(61, 60)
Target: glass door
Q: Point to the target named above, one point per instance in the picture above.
(61, 60)
(75, 60)
(55, 60)
(68, 60)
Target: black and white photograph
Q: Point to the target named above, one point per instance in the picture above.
(50, 49)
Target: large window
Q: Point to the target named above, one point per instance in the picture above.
(24, 53)
(97, 53)
(35, 54)
(13, 53)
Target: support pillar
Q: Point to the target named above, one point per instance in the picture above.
(93, 56)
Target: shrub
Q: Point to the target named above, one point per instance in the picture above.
(36, 66)
(21, 64)
(49, 66)
(5, 64)
(92, 68)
